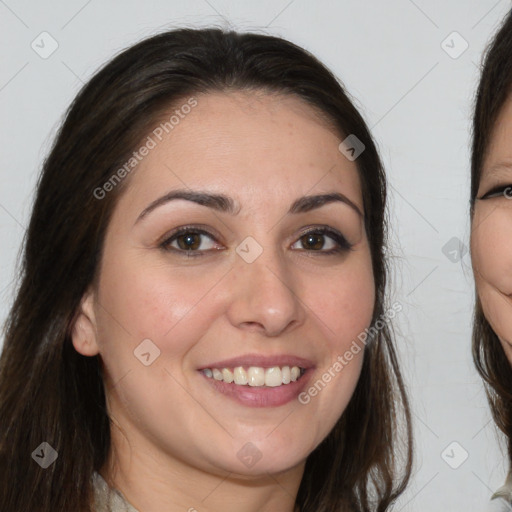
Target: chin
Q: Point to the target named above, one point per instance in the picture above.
(259, 459)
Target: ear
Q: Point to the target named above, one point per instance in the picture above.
(83, 328)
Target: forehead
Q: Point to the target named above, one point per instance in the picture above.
(498, 158)
(249, 143)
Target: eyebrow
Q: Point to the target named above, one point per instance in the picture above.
(225, 204)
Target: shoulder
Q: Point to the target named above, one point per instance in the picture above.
(501, 500)
(499, 505)
(107, 499)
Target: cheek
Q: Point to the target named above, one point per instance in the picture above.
(497, 309)
(341, 307)
(345, 301)
(491, 251)
(168, 305)
(343, 312)
(491, 248)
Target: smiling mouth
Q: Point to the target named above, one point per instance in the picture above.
(256, 376)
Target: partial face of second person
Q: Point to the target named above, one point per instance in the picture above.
(491, 238)
(301, 302)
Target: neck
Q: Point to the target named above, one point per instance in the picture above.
(151, 482)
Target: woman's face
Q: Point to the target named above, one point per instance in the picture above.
(245, 294)
(491, 240)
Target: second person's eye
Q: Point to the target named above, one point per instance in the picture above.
(500, 190)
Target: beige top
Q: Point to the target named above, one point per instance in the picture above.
(502, 498)
(107, 499)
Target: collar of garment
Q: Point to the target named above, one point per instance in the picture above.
(505, 491)
(107, 499)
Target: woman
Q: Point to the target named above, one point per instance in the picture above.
(491, 249)
(201, 321)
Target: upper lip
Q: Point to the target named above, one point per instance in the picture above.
(262, 361)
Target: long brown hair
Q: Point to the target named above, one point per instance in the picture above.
(493, 91)
(49, 392)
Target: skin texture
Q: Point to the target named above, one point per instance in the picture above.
(180, 438)
(491, 243)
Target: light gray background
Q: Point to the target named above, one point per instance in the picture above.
(416, 98)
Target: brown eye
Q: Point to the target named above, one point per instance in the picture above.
(313, 241)
(189, 241)
(324, 241)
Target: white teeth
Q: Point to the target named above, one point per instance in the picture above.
(285, 375)
(255, 376)
(240, 376)
(227, 375)
(273, 377)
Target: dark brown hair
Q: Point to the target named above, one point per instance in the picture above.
(49, 392)
(493, 91)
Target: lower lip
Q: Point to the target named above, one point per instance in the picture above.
(261, 396)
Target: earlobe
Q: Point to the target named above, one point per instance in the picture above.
(83, 327)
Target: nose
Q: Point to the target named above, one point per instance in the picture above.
(264, 295)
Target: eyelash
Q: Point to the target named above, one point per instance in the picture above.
(342, 244)
(504, 190)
